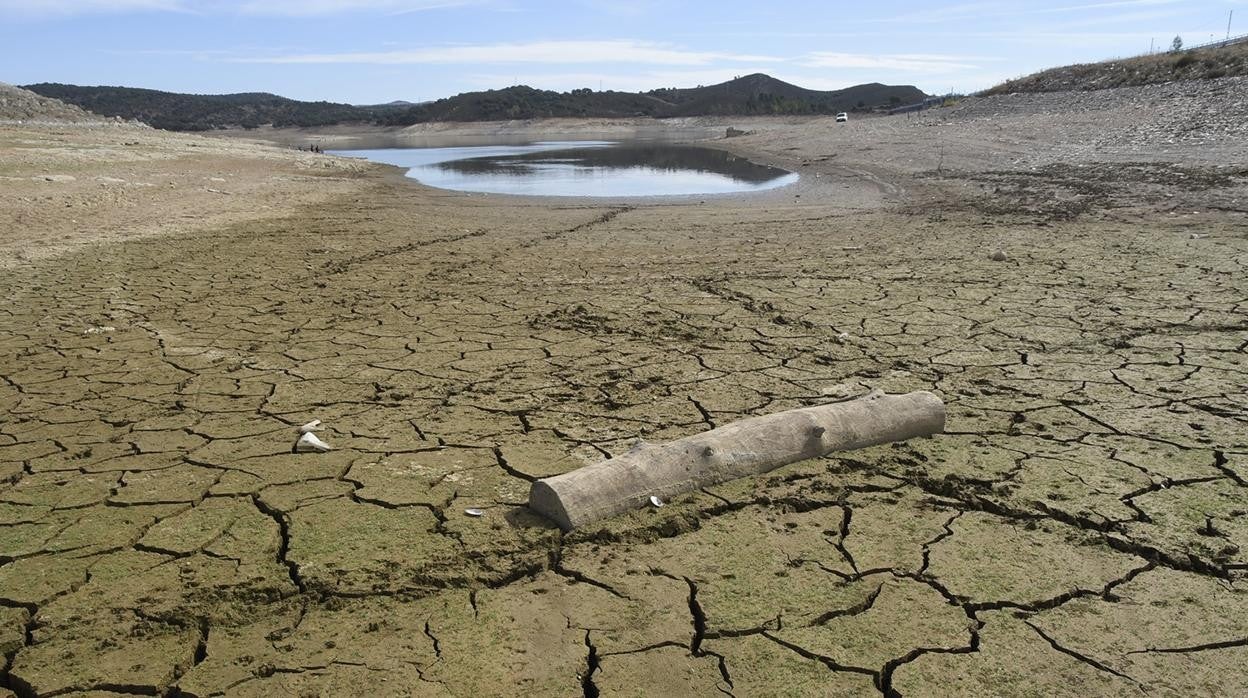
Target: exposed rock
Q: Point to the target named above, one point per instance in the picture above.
(17, 104)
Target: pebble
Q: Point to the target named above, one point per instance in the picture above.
(309, 443)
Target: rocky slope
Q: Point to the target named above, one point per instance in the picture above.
(1200, 64)
(17, 104)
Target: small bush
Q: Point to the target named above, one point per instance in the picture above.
(1184, 61)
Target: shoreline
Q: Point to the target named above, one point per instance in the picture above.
(863, 190)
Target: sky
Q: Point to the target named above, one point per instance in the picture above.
(376, 51)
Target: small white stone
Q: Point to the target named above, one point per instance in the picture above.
(309, 443)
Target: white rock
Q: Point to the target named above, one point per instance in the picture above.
(308, 443)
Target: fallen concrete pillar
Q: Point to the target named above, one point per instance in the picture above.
(748, 447)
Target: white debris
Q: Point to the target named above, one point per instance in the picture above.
(99, 329)
(308, 443)
(474, 512)
(310, 426)
(655, 501)
(1197, 236)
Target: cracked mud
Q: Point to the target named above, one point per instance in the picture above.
(1080, 529)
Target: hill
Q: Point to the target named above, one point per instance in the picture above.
(750, 95)
(187, 112)
(524, 102)
(755, 94)
(763, 94)
(1197, 64)
(17, 104)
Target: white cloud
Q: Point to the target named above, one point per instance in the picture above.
(980, 10)
(1147, 16)
(1102, 5)
(550, 52)
(52, 9)
(623, 8)
(40, 9)
(304, 8)
(904, 62)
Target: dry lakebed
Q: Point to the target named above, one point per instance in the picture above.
(176, 306)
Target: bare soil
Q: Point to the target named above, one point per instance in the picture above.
(1079, 529)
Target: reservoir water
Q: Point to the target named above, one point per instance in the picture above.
(582, 168)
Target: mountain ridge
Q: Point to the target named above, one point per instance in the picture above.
(755, 94)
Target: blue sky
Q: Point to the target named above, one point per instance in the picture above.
(369, 51)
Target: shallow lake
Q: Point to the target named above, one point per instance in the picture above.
(582, 168)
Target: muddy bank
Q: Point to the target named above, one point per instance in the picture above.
(1080, 524)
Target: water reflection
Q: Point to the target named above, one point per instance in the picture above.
(660, 158)
(585, 168)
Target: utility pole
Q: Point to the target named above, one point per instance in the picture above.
(1150, 46)
(1229, 15)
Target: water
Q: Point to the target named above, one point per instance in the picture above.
(582, 168)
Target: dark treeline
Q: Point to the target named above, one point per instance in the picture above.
(750, 95)
(186, 112)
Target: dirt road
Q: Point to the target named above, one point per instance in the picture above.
(1078, 530)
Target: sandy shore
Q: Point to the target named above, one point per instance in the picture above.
(182, 303)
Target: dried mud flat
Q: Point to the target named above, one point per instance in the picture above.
(1080, 528)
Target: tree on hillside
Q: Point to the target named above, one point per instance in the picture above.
(1177, 44)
